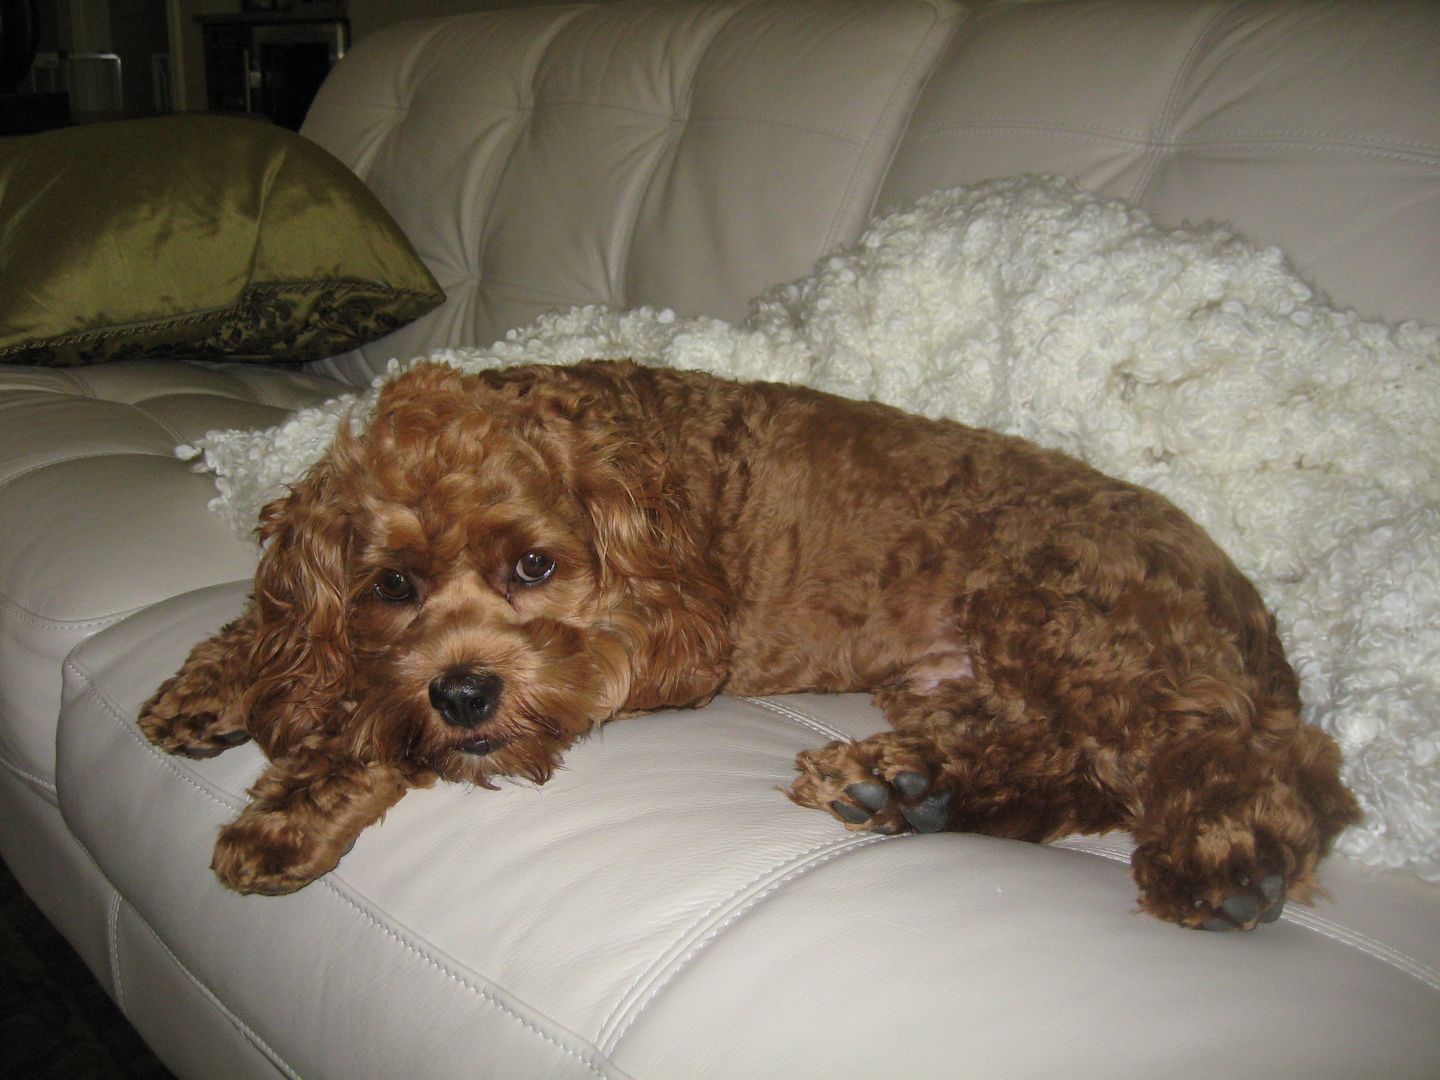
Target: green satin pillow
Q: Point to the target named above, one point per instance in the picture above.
(197, 236)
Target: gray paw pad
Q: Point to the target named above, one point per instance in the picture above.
(930, 815)
(1247, 909)
(1273, 890)
(911, 784)
(199, 751)
(871, 794)
(1241, 908)
(852, 814)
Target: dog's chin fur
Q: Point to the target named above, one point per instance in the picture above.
(497, 564)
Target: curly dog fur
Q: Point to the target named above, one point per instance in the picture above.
(500, 562)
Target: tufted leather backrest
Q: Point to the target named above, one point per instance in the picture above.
(633, 153)
(1312, 125)
(689, 155)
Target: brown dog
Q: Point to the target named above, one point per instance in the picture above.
(498, 563)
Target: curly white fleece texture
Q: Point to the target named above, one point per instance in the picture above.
(1305, 439)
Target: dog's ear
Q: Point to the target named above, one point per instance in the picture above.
(668, 607)
(671, 609)
(300, 660)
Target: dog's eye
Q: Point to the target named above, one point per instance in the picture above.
(533, 567)
(394, 587)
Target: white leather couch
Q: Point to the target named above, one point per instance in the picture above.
(659, 910)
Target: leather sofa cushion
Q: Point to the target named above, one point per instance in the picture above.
(98, 518)
(659, 908)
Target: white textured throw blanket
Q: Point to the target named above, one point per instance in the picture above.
(1306, 440)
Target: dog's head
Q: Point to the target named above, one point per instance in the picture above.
(486, 571)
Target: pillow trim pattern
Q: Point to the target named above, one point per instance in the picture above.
(261, 318)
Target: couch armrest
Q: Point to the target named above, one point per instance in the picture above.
(87, 452)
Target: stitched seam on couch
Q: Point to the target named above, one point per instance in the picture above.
(84, 455)
(47, 786)
(796, 716)
(155, 754)
(477, 985)
(1170, 110)
(114, 958)
(1366, 944)
(79, 387)
(706, 929)
(492, 996)
(110, 709)
(259, 393)
(248, 391)
(677, 125)
(97, 622)
(1305, 917)
(255, 380)
(613, 1027)
(112, 930)
(1392, 150)
(245, 1029)
(877, 155)
(492, 177)
(247, 378)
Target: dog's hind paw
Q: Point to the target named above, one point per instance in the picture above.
(907, 792)
(1246, 893)
(1250, 908)
(871, 787)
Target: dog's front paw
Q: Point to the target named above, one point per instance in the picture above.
(872, 786)
(305, 813)
(266, 854)
(191, 722)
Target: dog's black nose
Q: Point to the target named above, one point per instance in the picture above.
(465, 698)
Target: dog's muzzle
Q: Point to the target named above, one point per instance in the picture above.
(466, 699)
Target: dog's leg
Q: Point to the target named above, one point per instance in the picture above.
(306, 811)
(1228, 832)
(956, 758)
(1227, 828)
(199, 711)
